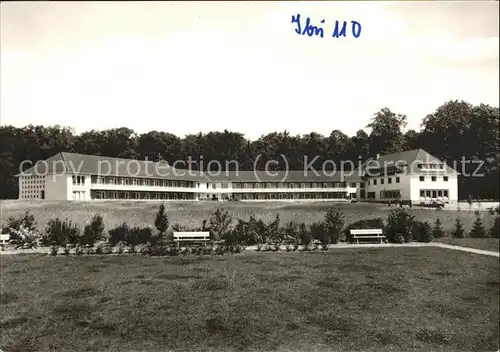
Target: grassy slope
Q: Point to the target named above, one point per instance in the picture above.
(193, 213)
(373, 300)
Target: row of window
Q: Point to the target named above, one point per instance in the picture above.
(433, 193)
(35, 180)
(271, 196)
(79, 180)
(292, 185)
(395, 194)
(382, 181)
(128, 181)
(433, 178)
(433, 166)
(142, 195)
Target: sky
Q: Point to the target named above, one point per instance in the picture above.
(189, 67)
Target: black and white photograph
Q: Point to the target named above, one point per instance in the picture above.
(253, 176)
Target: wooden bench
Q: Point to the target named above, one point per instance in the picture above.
(367, 233)
(4, 238)
(191, 236)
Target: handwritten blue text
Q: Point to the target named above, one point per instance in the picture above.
(339, 30)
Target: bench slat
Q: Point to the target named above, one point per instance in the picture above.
(366, 232)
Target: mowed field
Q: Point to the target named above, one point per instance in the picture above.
(193, 213)
(386, 299)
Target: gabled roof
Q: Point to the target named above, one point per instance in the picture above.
(84, 164)
(409, 158)
(284, 176)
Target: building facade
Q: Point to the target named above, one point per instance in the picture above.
(79, 177)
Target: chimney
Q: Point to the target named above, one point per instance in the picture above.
(378, 156)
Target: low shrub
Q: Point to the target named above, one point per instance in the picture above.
(334, 222)
(66, 250)
(374, 223)
(399, 226)
(93, 232)
(54, 250)
(324, 247)
(458, 231)
(295, 247)
(120, 249)
(478, 230)
(437, 231)
(99, 249)
(107, 249)
(173, 251)
(79, 250)
(90, 250)
(25, 238)
(59, 233)
(421, 231)
(118, 234)
(288, 248)
(319, 232)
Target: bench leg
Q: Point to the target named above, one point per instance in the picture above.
(357, 240)
(381, 240)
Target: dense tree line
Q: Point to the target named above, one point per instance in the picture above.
(456, 132)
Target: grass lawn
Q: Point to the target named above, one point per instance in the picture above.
(487, 244)
(193, 213)
(389, 299)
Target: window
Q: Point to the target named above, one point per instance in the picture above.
(368, 182)
(397, 179)
(389, 180)
(422, 193)
(445, 193)
(445, 178)
(353, 185)
(374, 182)
(381, 181)
(433, 178)
(422, 178)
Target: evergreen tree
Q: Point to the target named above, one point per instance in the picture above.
(478, 230)
(458, 232)
(161, 221)
(437, 232)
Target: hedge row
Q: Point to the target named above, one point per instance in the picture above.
(399, 227)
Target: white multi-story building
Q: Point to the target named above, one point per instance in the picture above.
(69, 176)
(412, 176)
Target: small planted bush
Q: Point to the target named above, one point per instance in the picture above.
(66, 250)
(437, 231)
(219, 224)
(120, 249)
(79, 250)
(99, 250)
(399, 226)
(478, 230)
(59, 233)
(54, 250)
(118, 234)
(93, 232)
(458, 231)
(334, 222)
(421, 231)
(25, 238)
(305, 235)
(161, 220)
(320, 232)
